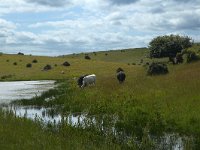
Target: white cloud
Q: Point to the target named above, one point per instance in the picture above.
(101, 24)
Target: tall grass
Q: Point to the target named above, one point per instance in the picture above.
(20, 133)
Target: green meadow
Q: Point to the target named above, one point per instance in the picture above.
(155, 104)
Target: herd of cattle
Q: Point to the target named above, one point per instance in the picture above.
(86, 80)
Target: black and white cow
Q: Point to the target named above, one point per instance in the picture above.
(121, 76)
(85, 80)
(80, 80)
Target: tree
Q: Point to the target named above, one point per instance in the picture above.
(168, 45)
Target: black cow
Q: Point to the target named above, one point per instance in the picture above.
(121, 76)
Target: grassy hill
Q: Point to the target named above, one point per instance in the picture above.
(166, 103)
(124, 56)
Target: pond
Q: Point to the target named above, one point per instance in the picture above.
(15, 90)
(45, 115)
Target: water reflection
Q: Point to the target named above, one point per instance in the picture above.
(46, 115)
(23, 89)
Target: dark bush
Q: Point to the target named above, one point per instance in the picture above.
(15, 63)
(6, 76)
(87, 57)
(147, 63)
(66, 63)
(20, 53)
(47, 67)
(106, 54)
(55, 65)
(119, 69)
(157, 68)
(29, 65)
(7, 60)
(34, 61)
(133, 63)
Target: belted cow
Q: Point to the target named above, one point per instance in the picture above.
(86, 80)
(121, 76)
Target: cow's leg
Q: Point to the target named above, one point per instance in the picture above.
(83, 85)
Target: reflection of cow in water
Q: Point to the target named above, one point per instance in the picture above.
(85, 80)
(121, 76)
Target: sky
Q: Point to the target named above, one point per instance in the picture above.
(59, 27)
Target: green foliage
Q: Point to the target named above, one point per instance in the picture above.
(179, 58)
(47, 67)
(15, 63)
(87, 57)
(20, 53)
(29, 65)
(157, 68)
(6, 76)
(168, 45)
(191, 56)
(66, 63)
(34, 61)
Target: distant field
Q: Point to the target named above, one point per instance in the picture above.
(124, 56)
(161, 103)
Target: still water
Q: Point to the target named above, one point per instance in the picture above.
(10, 91)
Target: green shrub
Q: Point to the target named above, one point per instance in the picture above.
(29, 65)
(34, 61)
(20, 53)
(66, 63)
(87, 57)
(47, 67)
(179, 58)
(7, 76)
(157, 68)
(15, 63)
(191, 56)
